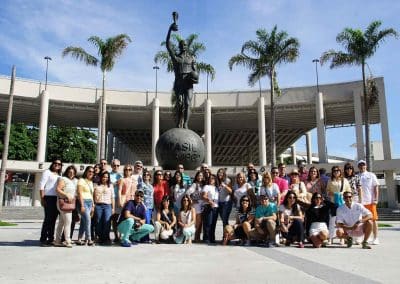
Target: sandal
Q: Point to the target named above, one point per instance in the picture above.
(365, 245)
(90, 243)
(350, 242)
(80, 243)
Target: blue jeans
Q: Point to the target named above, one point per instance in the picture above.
(85, 219)
(149, 214)
(103, 221)
(224, 210)
(209, 222)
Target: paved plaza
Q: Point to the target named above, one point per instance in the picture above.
(24, 261)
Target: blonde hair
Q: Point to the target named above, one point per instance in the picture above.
(267, 175)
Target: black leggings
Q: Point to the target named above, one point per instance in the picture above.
(50, 218)
(296, 231)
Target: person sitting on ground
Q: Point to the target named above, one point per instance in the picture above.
(244, 223)
(186, 221)
(132, 221)
(353, 220)
(265, 221)
(164, 226)
(291, 219)
(317, 220)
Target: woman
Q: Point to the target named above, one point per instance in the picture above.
(242, 188)
(317, 220)
(224, 196)
(186, 221)
(270, 189)
(177, 190)
(244, 223)
(335, 188)
(299, 188)
(161, 188)
(85, 196)
(167, 177)
(148, 192)
(66, 189)
(254, 182)
(314, 183)
(126, 190)
(104, 206)
(291, 219)
(97, 172)
(349, 174)
(165, 222)
(209, 194)
(48, 199)
(194, 192)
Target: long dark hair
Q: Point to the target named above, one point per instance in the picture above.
(174, 182)
(219, 181)
(196, 176)
(101, 178)
(295, 208)
(72, 167)
(314, 197)
(309, 173)
(241, 207)
(165, 198)
(53, 163)
(348, 165)
(85, 173)
(189, 207)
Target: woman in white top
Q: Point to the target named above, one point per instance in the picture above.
(242, 188)
(48, 198)
(186, 221)
(66, 189)
(224, 187)
(177, 190)
(210, 213)
(298, 187)
(194, 191)
(270, 189)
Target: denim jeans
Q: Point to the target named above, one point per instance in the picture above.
(149, 214)
(85, 219)
(224, 210)
(103, 221)
(209, 222)
(50, 218)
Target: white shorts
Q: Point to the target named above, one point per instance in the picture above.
(317, 227)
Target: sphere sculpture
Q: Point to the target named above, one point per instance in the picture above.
(180, 146)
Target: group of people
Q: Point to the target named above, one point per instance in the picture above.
(272, 207)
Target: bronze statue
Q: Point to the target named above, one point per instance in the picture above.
(185, 76)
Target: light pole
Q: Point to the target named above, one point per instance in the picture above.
(316, 72)
(156, 68)
(47, 58)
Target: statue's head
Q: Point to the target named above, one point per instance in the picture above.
(182, 45)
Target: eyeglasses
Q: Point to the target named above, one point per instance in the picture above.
(181, 168)
(57, 163)
(103, 163)
(129, 169)
(138, 166)
(346, 169)
(115, 165)
(347, 196)
(139, 195)
(335, 171)
(245, 200)
(318, 197)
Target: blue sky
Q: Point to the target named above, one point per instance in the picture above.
(30, 30)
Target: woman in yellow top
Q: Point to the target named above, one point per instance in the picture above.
(85, 195)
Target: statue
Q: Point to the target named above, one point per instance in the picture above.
(185, 76)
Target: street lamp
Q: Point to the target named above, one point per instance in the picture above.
(47, 58)
(316, 72)
(156, 68)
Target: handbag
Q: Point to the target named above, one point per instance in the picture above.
(65, 205)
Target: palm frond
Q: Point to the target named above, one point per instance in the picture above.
(206, 69)
(80, 54)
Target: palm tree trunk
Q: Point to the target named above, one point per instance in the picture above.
(103, 120)
(99, 126)
(273, 143)
(366, 120)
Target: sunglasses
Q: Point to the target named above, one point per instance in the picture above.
(275, 173)
(245, 200)
(115, 165)
(347, 196)
(318, 197)
(139, 195)
(129, 169)
(292, 197)
(57, 164)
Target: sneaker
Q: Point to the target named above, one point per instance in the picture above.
(349, 242)
(44, 244)
(365, 245)
(375, 241)
(125, 244)
(301, 245)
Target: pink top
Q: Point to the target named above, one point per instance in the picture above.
(283, 186)
(128, 190)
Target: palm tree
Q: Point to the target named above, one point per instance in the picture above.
(194, 48)
(359, 46)
(262, 56)
(108, 50)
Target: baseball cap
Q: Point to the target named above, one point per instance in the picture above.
(361, 162)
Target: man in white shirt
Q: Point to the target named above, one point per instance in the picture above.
(368, 186)
(353, 220)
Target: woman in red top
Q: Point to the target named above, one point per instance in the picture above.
(161, 188)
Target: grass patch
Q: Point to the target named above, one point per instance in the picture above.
(3, 224)
(382, 225)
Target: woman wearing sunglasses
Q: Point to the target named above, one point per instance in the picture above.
(292, 220)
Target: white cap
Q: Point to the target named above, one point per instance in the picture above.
(361, 162)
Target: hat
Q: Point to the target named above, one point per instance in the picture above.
(139, 191)
(361, 162)
(294, 172)
(138, 163)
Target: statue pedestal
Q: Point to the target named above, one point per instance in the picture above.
(180, 146)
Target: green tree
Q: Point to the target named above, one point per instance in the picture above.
(108, 50)
(262, 56)
(22, 146)
(195, 48)
(359, 46)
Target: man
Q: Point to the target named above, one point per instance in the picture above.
(115, 177)
(185, 76)
(265, 221)
(368, 186)
(187, 181)
(282, 172)
(303, 173)
(137, 175)
(132, 222)
(282, 183)
(353, 220)
(103, 165)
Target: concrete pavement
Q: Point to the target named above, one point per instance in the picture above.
(23, 260)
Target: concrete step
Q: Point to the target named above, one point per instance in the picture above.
(387, 214)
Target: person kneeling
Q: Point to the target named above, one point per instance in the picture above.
(132, 222)
(353, 220)
(265, 222)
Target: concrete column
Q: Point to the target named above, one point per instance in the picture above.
(281, 158)
(155, 131)
(308, 145)
(98, 154)
(207, 132)
(293, 151)
(42, 142)
(262, 148)
(110, 147)
(359, 124)
(387, 153)
(390, 178)
(320, 118)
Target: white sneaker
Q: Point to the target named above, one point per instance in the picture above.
(375, 241)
